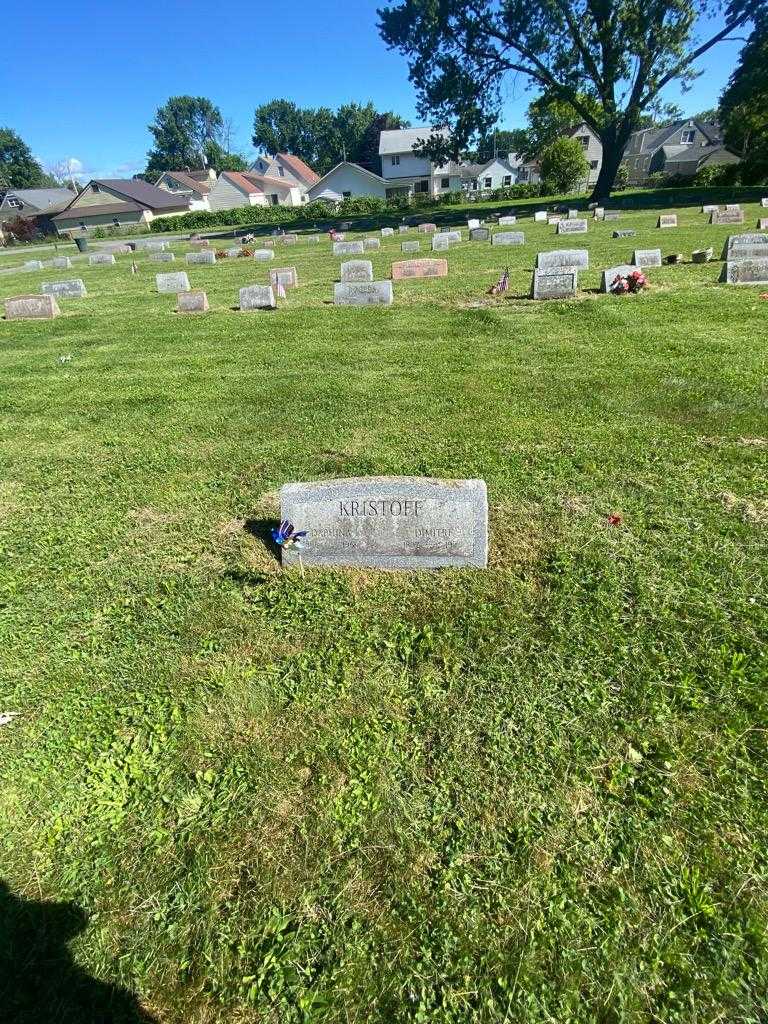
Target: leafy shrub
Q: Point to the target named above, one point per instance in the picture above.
(563, 165)
(622, 177)
(21, 228)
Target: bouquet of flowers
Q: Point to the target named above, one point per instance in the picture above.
(625, 284)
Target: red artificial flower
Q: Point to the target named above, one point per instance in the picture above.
(614, 519)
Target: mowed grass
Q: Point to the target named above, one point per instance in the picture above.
(534, 793)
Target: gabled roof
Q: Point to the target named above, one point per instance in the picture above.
(654, 139)
(402, 140)
(299, 168)
(200, 185)
(502, 161)
(255, 184)
(139, 195)
(41, 198)
(355, 167)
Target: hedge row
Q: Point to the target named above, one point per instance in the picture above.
(320, 211)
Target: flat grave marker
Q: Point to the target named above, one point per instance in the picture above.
(388, 522)
(625, 233)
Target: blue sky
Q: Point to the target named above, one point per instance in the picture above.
(82, 81)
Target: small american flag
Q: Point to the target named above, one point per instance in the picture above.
(280, 290)
(504, 281)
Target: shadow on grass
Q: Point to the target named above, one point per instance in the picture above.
(39, 980)
(262, 529)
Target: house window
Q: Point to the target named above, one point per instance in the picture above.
(346, 195)
(395, 161)
(83, 225)
(522, 174)
(116, 222)
(95, 187)
(274, 199)
(421, 186)
(474, 184)
(583, 141)
(687, 137)
(14, 202)
(507, 180)
(488, 183)
(281, 172)
(593, 164)
(445, 182)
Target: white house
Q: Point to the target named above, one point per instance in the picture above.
(501, 172)
(407, 173)
(345, 180)
(285, 166)
(593, 152)
(243, 188)
(194, 185)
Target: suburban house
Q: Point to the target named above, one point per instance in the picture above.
(592, 148)
(194, 185)
(347, 179)
(244, 188)
(500, 172)
(30, 202)
(681, 148)
(118, 202)
(407, 173)
(286, 166)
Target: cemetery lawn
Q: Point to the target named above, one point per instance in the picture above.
(534, 793)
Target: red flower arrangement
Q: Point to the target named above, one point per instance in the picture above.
(629, 283)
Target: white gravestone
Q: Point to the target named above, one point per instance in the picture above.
(563, 259)
(257, 296)
(540, 216)
(386, 232)
(555, 284)
(348, 248)
(647, 257)
(371, 244)
(507, 222)
(162, 257)
(747, 271)
(388, 522)
(357, 270)
(572, 227)
(61, 262)
(610, 275)
(410, 246)
(262, 255)
(74, 289)
(370, 293)
(667, 220)
(508, 238)
(97, 258)
(286, 276)
(172, 283)
(204, 256)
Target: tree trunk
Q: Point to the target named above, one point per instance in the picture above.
(614, 140)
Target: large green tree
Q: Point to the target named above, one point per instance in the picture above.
(563, 166)
(18, 168)
(320, 136)
(744, 106)
(608, 59)
(183, 127)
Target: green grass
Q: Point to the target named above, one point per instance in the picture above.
(535, 793)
